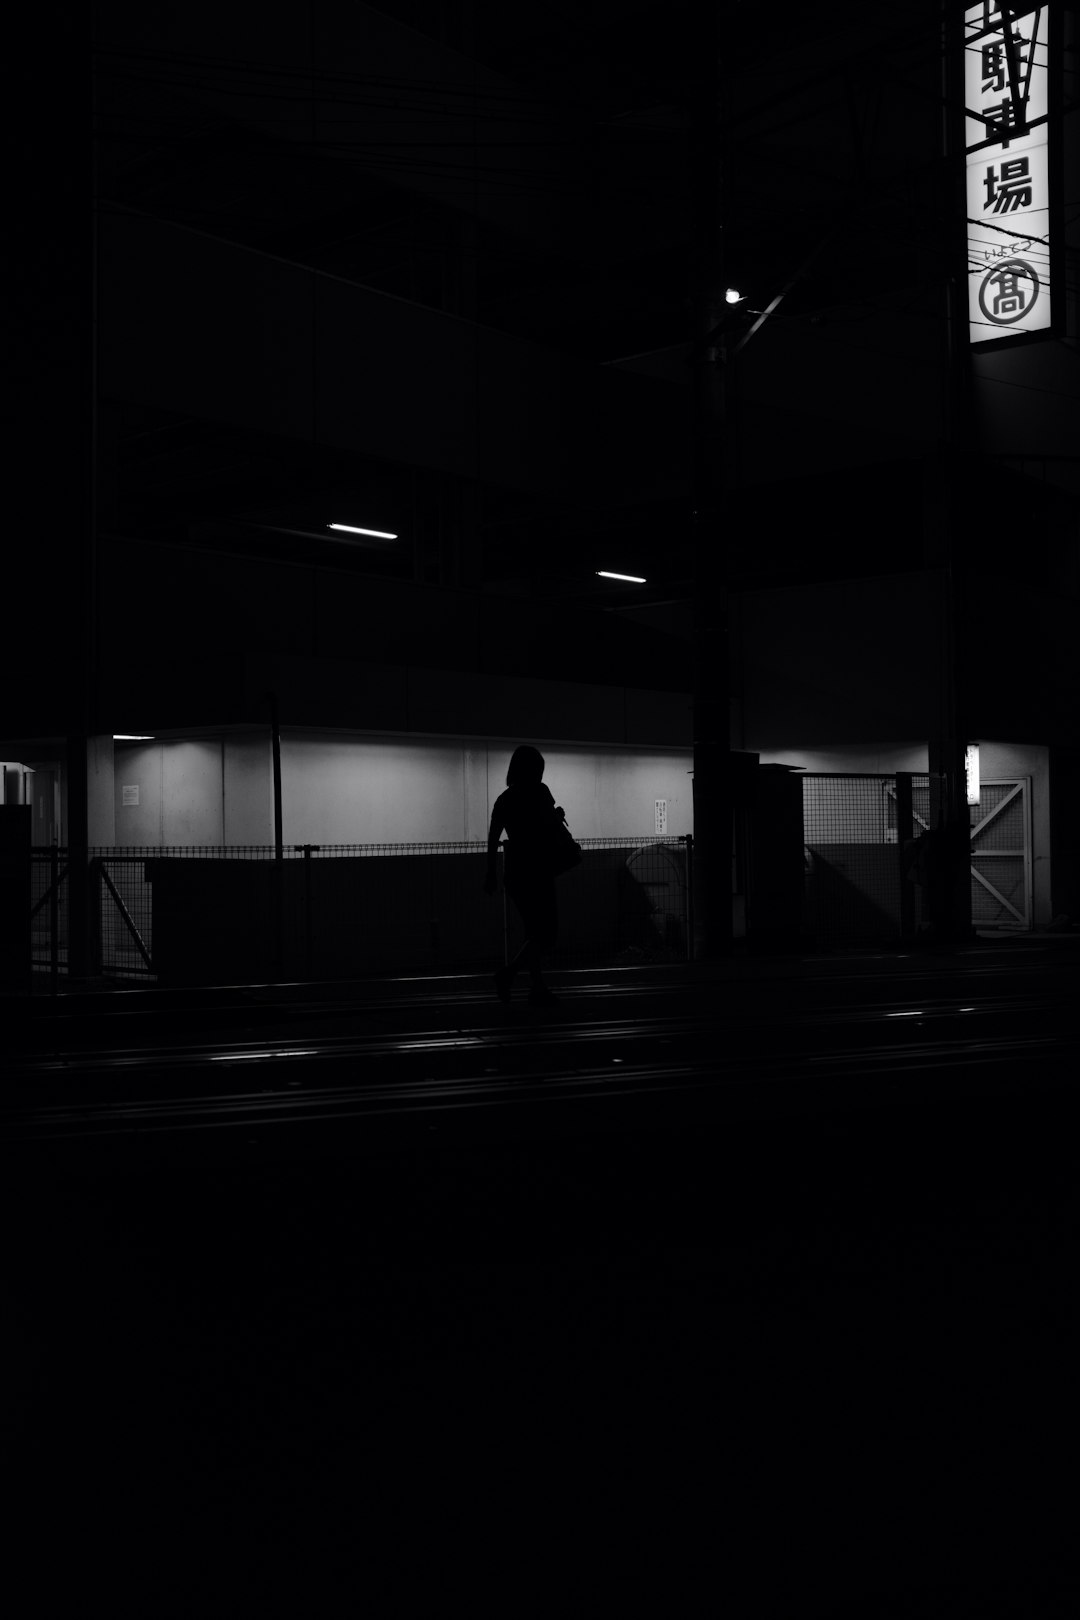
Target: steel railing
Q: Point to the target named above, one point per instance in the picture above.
(192, 913)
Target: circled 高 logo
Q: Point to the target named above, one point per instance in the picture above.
(1008, 292)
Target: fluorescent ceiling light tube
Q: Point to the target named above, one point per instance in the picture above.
(132, 736)
(350, 528)
(248, 1057)
(631, 579)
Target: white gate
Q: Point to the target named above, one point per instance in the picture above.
(1001, 855)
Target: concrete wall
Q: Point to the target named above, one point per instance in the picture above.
(340, 788)
(210, 791)
(850, 662)
(405, 790)
(194, 324)
(100, 823)
(837, 665)
(247, 783)
(365, 654)
(877, 758)
(100, 810)
(178, 786)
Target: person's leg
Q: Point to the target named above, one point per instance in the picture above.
(543, 928)
(535, 905)
(527, 957)
(530, 953)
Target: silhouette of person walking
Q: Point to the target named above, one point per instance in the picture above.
(528, 814)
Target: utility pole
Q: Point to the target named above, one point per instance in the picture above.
(75, 433)
(712, 706)
(949, 865)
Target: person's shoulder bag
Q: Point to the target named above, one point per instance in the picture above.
(565, 851)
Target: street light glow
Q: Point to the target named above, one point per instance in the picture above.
(631, 579)
(733, 296)
(351, 528)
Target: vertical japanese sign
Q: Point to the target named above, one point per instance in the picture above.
(1006, 74)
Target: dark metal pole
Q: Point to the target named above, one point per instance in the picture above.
(905, 831)
(277, 874)
(78, 849)
(275, 746)
(81, 575)
(54, 917)
(712, 724)
(949, 888)
(308, 850)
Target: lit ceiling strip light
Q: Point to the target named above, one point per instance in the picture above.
(631, 579)
(250, 1057)
(350, 528)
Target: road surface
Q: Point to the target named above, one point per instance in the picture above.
(761, 1277)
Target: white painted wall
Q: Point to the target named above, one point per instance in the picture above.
(348, 788)
(100, 769)
(138, 767)
(191, 796)
(358, 790)
(247, 789)
(179, 787)
(610, 792)
(342, 790)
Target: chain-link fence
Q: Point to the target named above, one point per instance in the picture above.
(206, 914)
(48, 914)
(860, 833)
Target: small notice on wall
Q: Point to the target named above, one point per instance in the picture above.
(661, 817)
(129, 793)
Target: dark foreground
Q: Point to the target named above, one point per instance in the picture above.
(757, 1360)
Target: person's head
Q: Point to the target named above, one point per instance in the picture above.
(526, 765)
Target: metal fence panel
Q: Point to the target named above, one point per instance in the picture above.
(48, 914)
(854, 872)
(210, 914)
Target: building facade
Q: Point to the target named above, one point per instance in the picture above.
(367, 347)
